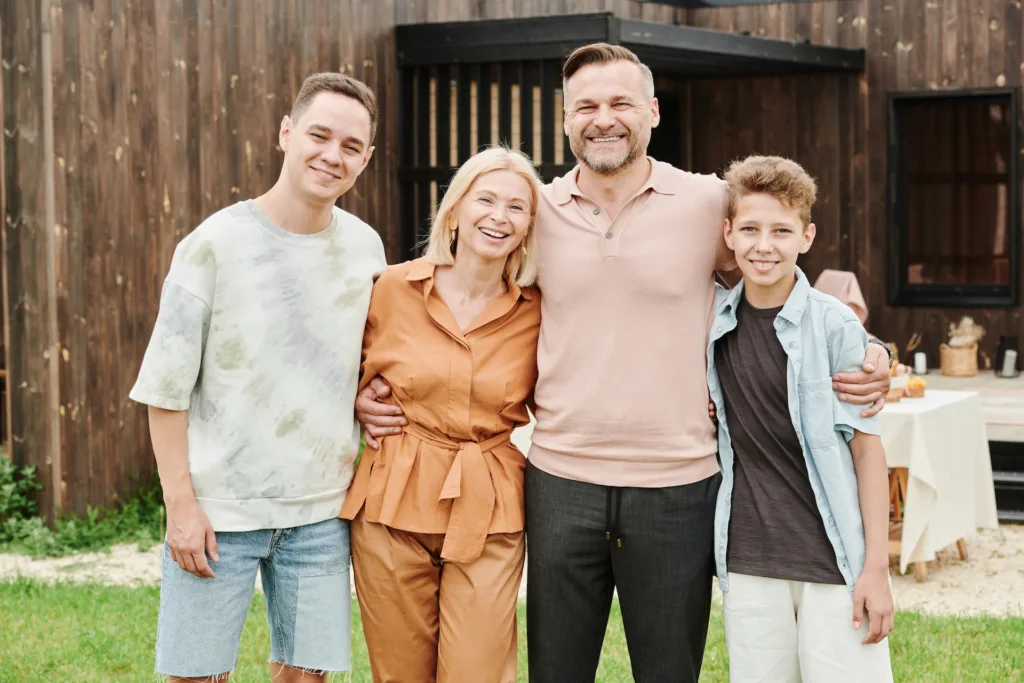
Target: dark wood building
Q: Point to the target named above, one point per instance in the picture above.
(128, 121)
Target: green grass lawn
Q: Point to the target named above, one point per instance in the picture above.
(94, 633)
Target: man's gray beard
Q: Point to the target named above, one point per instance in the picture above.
(636, 150)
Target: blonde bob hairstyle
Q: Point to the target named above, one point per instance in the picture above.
(521, 264)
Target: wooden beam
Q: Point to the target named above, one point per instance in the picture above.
(49, 226)
(666, 48)
(710, 4)
(5, 301)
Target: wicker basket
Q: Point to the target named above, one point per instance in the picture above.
(958, 361)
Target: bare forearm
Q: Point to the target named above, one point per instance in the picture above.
(169, 431)
(873, 491)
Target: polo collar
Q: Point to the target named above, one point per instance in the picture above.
(659, 180)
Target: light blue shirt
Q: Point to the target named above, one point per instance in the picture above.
(821, 336)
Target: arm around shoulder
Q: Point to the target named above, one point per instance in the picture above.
(847, 344)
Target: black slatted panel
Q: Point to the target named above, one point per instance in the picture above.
(462, 84)
(407, 210)
(418, 173)
(550, 80)
(566, 149)
(483, 107)
(507, 76)
(422, 155)
(443, 120)
(527, 79)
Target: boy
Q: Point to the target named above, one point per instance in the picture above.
(250, 378)
(801, 523)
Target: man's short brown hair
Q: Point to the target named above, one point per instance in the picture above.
(341, 84)
(603, 53)
(781, 178)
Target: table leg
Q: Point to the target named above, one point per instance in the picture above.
(920, 572)
(962, 547)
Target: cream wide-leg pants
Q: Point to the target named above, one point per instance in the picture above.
(794, 632)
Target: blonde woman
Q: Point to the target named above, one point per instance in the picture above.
(437, 511)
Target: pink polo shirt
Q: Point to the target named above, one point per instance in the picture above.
(622, 394)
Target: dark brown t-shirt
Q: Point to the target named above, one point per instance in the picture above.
(775, 529)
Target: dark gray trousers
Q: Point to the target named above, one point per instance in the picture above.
(653, 545)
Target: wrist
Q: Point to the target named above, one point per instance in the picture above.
(876, 566)
(885, 347)
(178, 497)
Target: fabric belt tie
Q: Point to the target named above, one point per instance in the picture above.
(468, 484)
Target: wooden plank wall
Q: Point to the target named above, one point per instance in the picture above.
(413, 11)
(163, 112)
(166, 110)
(5, 413)
(25, 238)
(910, 45)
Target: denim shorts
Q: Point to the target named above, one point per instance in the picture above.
(305, 574)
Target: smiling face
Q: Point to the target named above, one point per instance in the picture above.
(767, 236)
(609, 115)
(494, 216)
(326, 147)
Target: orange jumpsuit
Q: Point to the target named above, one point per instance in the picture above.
(438, 513)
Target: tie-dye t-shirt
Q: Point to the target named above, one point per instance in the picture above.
(258, 337)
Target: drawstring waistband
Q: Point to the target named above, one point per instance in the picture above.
(612, 522)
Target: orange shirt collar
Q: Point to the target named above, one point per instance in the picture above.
(422, 269)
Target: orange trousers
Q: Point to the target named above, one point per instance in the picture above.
(427, 621)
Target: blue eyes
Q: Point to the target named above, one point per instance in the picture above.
(778, 231)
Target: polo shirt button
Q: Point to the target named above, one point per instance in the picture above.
(596, 211)
(608, 235)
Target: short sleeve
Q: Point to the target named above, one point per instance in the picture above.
(170, 367)
(379, 257)
(847, 347)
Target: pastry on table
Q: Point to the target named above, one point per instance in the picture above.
(915, 387)
(898, 378)
(895, 395)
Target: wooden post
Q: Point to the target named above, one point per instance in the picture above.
(49, 225)
(5, 301)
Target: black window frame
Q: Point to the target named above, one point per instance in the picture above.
(899, 291)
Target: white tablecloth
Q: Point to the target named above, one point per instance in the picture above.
(1002, 401)
(941, 440)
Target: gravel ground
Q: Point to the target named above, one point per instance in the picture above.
(991, 582)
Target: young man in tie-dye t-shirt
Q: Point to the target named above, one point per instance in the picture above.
(250, 378)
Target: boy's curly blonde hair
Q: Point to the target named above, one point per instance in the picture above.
(782, 178)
